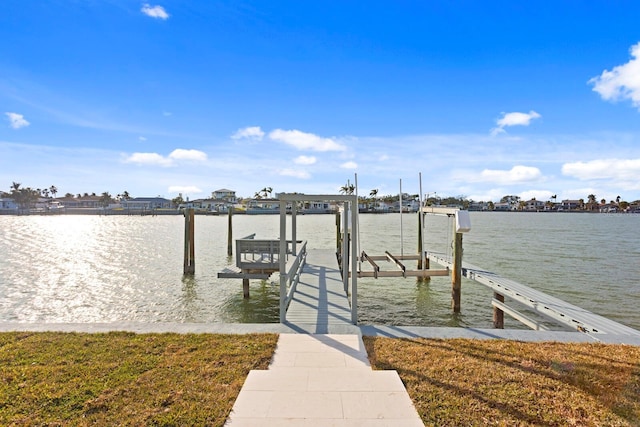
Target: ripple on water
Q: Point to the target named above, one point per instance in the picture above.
(117, 268)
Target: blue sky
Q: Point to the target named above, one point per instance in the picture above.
(485, 99)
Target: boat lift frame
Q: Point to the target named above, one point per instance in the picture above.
(348, 264)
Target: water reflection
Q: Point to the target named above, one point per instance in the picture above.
(263, 305)
(117, 268)
(189, 299)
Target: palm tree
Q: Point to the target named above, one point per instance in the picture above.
(618, 200)
(264, 193)
(374, 195)
(347, 189)
(105, 199)
(53, 190)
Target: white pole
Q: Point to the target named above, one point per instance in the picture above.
(354, 274)
(401, 235)
(422, 258)
(357, 231)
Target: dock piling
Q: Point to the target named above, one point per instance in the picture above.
(456, 274)
(498, 314)
(230, 232)
(189, 244)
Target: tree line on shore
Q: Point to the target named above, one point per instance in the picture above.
(27, 196)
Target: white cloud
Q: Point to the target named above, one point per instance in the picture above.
(304, 160)
(17, 121)
(305, 141)
(142, 138)
(154, 11)
(148, 159)
(184, 189)
(617, 169)
(295, 173)
(383, 158)
(253, 133)
(622, 82)
(191, 155)
(514, 119)
(349, 165)
(178, 154)
(515, 175)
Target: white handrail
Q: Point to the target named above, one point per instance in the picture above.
(293, 275)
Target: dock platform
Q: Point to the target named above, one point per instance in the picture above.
(561, 312)
(320, 301)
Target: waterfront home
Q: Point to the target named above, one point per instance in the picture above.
(570, 205)
(502, 207)
(263, 206)
(146, 203)
(210, 205)
(228, 196)
(8, 205)
(534, 205)
(478, 206)
(91, 202)
(318, 207)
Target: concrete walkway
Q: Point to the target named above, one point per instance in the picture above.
(322, 380)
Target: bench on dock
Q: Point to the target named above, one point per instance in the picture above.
(257, 259)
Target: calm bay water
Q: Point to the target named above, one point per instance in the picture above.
(125, 268)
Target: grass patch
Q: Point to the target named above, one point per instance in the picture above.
(495, 382)
(123, 378)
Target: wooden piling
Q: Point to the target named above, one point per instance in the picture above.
(230, 232)
(423, 260)
(456, 274)
(498, 314)
(189, 244)
(420, 240)
(245, 288)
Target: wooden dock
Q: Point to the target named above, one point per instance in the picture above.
(320, 299)
(557, 310)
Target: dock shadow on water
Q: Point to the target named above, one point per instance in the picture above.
(263, 305)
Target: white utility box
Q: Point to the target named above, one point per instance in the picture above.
(463, 222)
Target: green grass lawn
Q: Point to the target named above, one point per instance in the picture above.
(193, 379)
(475, 383)
(124, 378)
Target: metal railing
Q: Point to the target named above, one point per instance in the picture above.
(290, 278)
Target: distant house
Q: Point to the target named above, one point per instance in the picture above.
(92, 202)
(569, 205)
(478, 206)
(8, 204)
(506, 206)
(224, 194)
(146, 203)
(263, 206)
(210, 205)
(534, 205)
